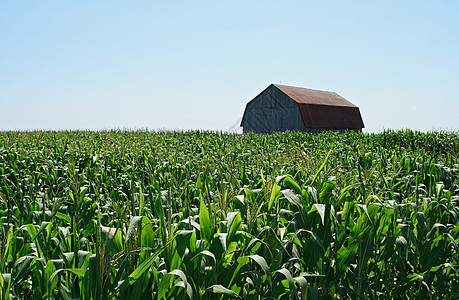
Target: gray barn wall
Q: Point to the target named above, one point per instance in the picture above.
(271, 111)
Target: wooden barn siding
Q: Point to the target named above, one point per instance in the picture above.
(272, 111)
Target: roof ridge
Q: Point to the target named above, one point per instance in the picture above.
(303, 88)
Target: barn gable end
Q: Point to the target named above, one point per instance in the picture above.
(272, 110)
(280, 108)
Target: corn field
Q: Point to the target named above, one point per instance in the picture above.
(208, 215)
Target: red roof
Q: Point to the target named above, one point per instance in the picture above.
(320, 109)
(308, 96)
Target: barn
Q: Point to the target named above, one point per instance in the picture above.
(281, 108)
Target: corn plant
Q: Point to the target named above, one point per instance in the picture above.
(209, 215)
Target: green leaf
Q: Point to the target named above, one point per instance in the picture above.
(118, 241)
(303, 284)
(345, 256)
(365, 209)
(321, 210)
(275, 194)
(234, 223)
(64, 217)
(27, 265)
(31, 230)
(147, 237)
(435, 227)
(294, 199)
(77, 271)
(9, 238)
(205, 253)
(49, 270)
(143, 267)
(141, 200)
(401, 241)
(288, 180)
(132, 227)
(164, 285)
(183, 283)
(220, 289)
(289, 278)
(183, 241)
(322, 166)
(262, 263)
(241, 261)
(204, 221)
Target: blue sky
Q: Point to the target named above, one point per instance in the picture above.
(195, 64)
